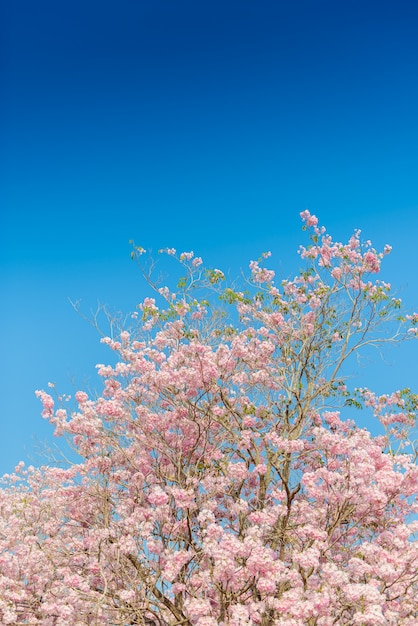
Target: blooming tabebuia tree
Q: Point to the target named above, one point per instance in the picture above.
(221, 481)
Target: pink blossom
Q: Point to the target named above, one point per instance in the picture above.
(371, 262)
(336, 273)
(158, 497)
(311, 220)
(81, 397)
(314, 302)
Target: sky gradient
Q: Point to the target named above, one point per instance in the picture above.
(199, 125)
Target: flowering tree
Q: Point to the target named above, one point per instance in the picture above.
(218, 482)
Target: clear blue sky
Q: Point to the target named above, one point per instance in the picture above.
(199, 125)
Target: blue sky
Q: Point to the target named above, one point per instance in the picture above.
(199, 125)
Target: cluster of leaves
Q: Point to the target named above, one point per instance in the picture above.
(218, 483)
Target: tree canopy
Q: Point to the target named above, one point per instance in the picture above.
(221, 478)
